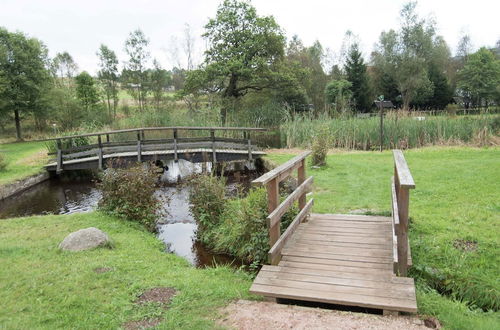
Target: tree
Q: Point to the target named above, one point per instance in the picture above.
(338, 93)
(244, 54)
(86, 91)
(64, 69)
(159, 79)
(355, 69)
(480, 77)
(23, 75)
(108, 75)
(135, 69)
(404, 55)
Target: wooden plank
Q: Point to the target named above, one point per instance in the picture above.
(350, 217)
(395, 211)
(299, 240)
(403, 203)
(301, 177)
(273, 198)
(344, 238)
(404, 174)
(264, 179)
(275, 252)
(374, 233)
(332, 264)
(349, 224)
(360, 259)
(294, 290)
(336, 271)
(340, 250)
(353, 285)
(276, 214)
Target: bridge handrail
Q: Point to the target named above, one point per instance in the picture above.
(271, 181)
(141, 129)
(402, 182)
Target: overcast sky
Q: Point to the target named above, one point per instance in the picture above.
(79, 27)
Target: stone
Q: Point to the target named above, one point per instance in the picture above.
(85, 239)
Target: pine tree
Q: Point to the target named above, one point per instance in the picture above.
(355, 69)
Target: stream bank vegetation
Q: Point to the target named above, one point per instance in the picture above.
(233, 225)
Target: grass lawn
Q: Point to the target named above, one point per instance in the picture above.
(42, 287)
(22, 159)
(456, 198)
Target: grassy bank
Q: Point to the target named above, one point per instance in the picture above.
(455, 200)
(399, 132)
(22, 160)
(42, 287)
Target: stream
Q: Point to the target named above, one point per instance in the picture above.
(177, 229)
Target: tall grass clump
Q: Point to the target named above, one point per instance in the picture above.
(3, 163)
(320, 146)
(129, 193)
(399, 131)
(234, 226)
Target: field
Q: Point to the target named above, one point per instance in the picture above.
(22, 160)
(44, 288)
(454, 214)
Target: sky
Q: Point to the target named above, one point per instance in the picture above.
(79, 27)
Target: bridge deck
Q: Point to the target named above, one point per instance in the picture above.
(339, 259)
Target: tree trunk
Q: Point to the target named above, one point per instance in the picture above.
(18, 125)
(223, 114)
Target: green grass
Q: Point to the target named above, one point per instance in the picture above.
(42, 287)
(456, 197)
(22, 159)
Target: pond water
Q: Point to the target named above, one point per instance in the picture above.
(177, 229)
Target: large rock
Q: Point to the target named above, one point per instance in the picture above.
(85, 239)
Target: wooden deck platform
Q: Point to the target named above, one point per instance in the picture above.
(339, 259)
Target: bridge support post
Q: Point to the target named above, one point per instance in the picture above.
(249, 145)
(139, 147)
(273, 198)
(99, 153)
(301, 176)
(214, 151)
(59, 166)
(176, 157)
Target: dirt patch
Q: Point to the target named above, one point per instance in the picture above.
(100, 270)
(432, 323)
(245, 314)
(162, 295)
(465, 245)
(142, 324)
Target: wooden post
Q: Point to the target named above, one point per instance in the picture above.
(176, 158)
(99, 153)
(273, 199)
(143, 136)
(107, 138)
(403, 206)
(301, 176)
(381, 125)
(249, 143)
(59, 166)
(139, 147)
(214, 151)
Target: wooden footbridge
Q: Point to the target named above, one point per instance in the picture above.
(353, 260)
(152, 144)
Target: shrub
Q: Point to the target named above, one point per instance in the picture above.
(68, 143)
(3, 163)
(319, 147)
(234, 226)
(130, 194)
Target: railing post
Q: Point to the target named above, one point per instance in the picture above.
(249, 145)
(214, 152)
(301, 176)
(139, 147)
(99, 153)
(107, 138)
(59, 166)
(272, 203)
(176, 158)
(403, 205)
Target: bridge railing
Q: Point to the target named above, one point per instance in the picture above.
(103, 142)
(276, 209)
(402, 182)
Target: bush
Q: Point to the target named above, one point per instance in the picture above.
(68, 143)
(3, 163)
(234, 226)
(319, 147)
(130, 194)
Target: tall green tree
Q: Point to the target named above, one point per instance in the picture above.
(108, 75)
(355, 69)
(86, 91)
(244, 54)
(480, 77)
(23, 76)
(64, 69)
(339, 95)
(135, 71)
(159, 79)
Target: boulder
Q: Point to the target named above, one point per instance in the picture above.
(85, 239)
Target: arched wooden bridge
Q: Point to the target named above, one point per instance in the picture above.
(152, 144)
(353, 260)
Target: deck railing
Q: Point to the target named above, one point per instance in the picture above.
(140, 143)
(402, 182)
(276, 209)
